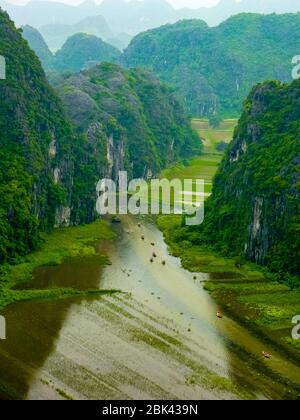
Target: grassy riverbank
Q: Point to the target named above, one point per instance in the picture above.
(57, 246)
(243, 292)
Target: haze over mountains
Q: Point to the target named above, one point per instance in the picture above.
(126, 19)
(80, 52)
(57, 34)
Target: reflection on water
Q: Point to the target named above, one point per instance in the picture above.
(80, 273)
(224, 276)
(160, 340)
(32, 331)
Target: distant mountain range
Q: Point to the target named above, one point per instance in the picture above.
(211, 68)
(132, 17)
(80, 52)
(39, 46)
(55, 34)
(214, 68)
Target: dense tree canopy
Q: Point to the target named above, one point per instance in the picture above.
(214, 68)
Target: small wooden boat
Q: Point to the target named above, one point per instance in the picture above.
(266, 355)
(116, 220)
(219, 315)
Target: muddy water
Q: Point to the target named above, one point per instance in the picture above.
(160, 339)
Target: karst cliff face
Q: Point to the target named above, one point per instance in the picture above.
(36, 171)
(140, 122)
(254, 210)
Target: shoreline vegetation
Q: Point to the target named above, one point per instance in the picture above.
(245, 291)
(57, 246)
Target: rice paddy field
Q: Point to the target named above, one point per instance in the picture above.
(204, 166)
(213, 136)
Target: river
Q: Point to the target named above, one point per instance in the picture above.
(158, 339)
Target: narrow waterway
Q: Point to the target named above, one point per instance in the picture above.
(159, 339)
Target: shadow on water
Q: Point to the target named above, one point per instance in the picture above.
(34, 327)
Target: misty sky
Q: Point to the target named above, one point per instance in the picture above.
(175, 3)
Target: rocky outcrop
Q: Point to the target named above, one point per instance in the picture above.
(143, 125)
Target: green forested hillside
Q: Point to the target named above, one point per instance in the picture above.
(35, 148)
(148, 126)
(39, 46)
(82, 51)
(254, 209)
(213, 69)
(48, 172)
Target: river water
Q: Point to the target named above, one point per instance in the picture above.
(158, 339)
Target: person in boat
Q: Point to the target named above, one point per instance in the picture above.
(219, 315)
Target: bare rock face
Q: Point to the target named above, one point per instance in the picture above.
(62, 217)
(115, 157)
(258, 233)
